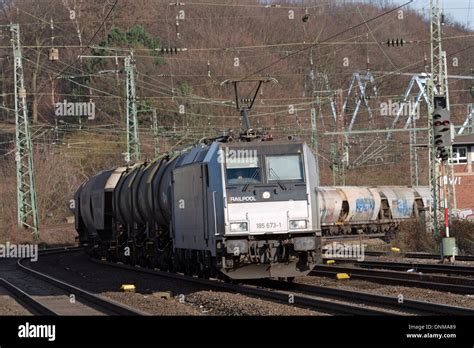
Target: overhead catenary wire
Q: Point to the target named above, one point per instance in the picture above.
(93, 36)
(178, 97)
(329, 38)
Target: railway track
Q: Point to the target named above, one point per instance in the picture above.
(353, 237)
(59, 250)
(312, 302)
(330, 300)
(434, 282)
(416, 267)
(280, 296)
(27, 301)
(413, 306)
(325, 299)
(419, 255)
(42, 294)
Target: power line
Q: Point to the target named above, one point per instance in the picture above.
(93, 37)
(330, 38)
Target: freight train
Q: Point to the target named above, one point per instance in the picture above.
(373, 211)
(236, 209)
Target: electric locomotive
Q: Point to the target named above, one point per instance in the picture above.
(238, 209)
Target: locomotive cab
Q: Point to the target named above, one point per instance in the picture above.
(269, 226)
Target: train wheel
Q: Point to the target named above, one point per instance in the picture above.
(390, 235)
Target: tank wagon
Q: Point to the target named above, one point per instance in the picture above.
(240, 209)
(373, 211)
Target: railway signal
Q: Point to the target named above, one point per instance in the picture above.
(441, 127)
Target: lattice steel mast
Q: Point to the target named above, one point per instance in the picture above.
(435, 81)
(156, 133)
(26, 190)
(438, 102)
(133, 140)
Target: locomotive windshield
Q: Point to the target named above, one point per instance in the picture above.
(243, 172)
(284, 168)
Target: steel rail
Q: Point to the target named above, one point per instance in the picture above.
(439, 283)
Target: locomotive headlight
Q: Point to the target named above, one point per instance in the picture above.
(298, 224)
(239, 227)
(236, 247)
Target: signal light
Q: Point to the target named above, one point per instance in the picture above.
(441, 128)
(443, 154)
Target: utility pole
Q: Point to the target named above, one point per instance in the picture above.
(314, 134)
(314, 142)
(26, 190)
(339, 150)
(435, 36)
(438, 120)
(155, 128)
(133, 140)
(414, 170)
(133, 152)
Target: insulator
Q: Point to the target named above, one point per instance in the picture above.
(171, 49)
(395, 42)
(53, 54)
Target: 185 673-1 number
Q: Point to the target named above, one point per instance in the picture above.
(268, 225)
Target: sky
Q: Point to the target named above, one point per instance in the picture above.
(460, 10)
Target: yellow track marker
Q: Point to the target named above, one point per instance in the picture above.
(341, 276)
(128, 288)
